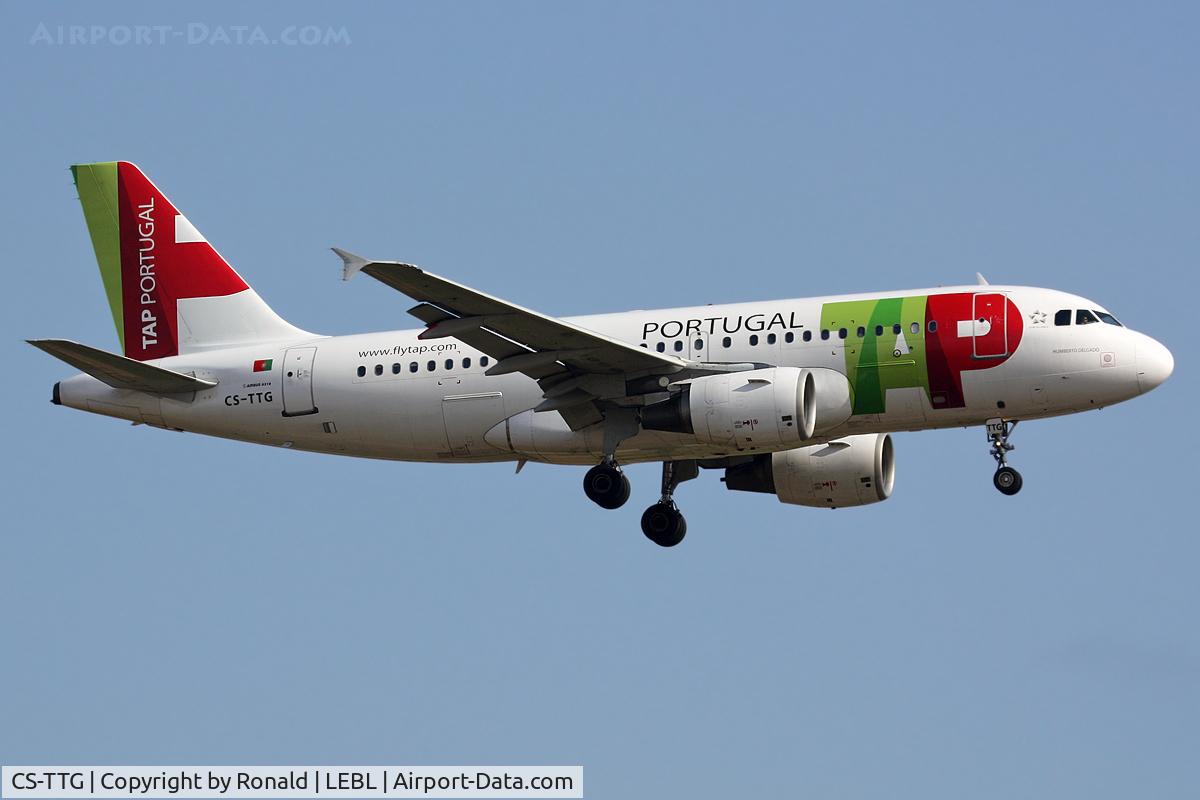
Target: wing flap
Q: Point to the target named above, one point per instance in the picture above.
(484, 341)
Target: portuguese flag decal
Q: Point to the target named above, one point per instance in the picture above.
(263, 365)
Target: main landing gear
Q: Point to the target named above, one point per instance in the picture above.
(1006, 479)
(606, 485)
(662, 522)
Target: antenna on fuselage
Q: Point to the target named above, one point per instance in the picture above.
(979, 279)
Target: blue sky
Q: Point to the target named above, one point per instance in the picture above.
(174, 599)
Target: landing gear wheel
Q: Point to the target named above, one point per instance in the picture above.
(664, 525)
(606, 486)
(1007, 480)
(662, 522)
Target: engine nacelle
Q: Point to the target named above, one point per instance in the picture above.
(833, 399)
(762, 408)
(756, 409)
(851, 471)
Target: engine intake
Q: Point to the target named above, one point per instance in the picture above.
(851, 471)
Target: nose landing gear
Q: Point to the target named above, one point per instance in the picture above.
(662, 522)
(1006, 479)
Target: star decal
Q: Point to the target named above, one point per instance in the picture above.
(1038, 318)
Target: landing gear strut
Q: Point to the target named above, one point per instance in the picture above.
(662, 522)
(606, 485)
(1006, 479)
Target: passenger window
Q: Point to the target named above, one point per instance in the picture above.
(861, 331)
(726, 342)
(660, 347)
(807, 336)
(678, 346)
(1085, 317)
(362, 372)
(1108, 318)
(824, 333)
(1063, 317)
(879, 330)
(396, 368)
(431, 366)
(896, 329)
(449, 363)
(413, 366)
(915, 328)
(770, 338)
(933, 326)
(842, 333)
(698, 344)
(754, 340)
(379, 369)
(483, 361)
(466, 363)
(645, 345)
(789, 337)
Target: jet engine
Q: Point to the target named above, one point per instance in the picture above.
(756, 409)
(851, 471)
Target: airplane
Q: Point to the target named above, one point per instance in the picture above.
(795, 398)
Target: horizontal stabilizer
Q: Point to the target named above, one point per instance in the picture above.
(120, 372)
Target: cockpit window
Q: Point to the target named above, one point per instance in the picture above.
(1108, 318)
(1085, 317)
(1063, 317)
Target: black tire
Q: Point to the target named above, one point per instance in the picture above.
(606, 486)
(664, 525)
(1007, 480)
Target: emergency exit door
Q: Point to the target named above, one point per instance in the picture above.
(298, 382)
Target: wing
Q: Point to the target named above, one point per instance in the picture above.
(574, 366)
(522, 340)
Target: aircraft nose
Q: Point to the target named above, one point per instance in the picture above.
(1154, 363)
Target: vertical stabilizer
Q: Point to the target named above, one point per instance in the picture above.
(169, 290)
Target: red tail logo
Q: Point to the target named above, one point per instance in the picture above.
(164, 259)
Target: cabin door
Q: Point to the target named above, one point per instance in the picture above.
(989, 325)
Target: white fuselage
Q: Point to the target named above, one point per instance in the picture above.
(391, 395)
